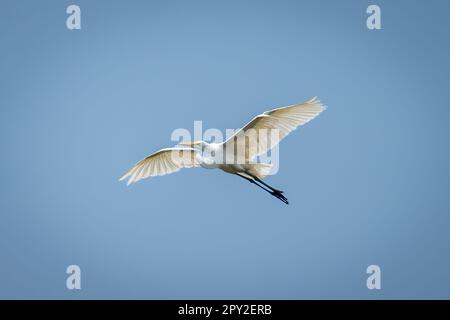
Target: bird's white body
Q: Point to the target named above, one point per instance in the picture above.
(204, 152)
(243, 156)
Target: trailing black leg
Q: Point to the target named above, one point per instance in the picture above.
(277, 193)
(273, 192)
(268, 186)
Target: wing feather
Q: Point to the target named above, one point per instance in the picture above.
(164, 161)
(284, 119)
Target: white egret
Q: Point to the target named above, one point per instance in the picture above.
(200, 153)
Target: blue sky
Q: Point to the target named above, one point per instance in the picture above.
(368, 180)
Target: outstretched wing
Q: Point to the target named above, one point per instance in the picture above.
(162, 162)
(284, 120)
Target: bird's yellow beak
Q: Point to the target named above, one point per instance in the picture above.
(189, 143)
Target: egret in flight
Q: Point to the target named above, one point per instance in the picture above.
(189, 154)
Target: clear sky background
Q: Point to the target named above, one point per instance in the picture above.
(368, 180)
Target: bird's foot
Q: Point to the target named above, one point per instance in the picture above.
(278, 194)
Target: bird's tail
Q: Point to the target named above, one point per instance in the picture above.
(260, 170)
